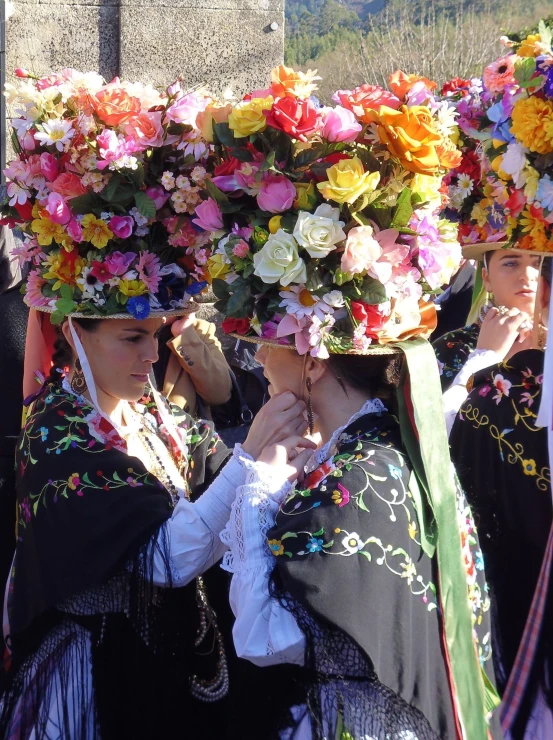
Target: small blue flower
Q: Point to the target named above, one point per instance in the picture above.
(314, 545)
(138, 307)
(43, 434)
(479, 561)
(196, 288)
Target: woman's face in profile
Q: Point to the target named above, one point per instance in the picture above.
(513, 278)
(121, 353)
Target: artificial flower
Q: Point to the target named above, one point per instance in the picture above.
(58, 209)
(499, 74)
(544, 193)
(68, 185)
(532, 123)
(297, 118)
(208, 215)
(145, 129)
(132, 287)
(47, 231)
(285, 82)
(278, 260)
(410, 135)
(401, 83)
(57, 132)
(121, 226)
(218, 266)
(114, 106)
(347, 181)
(276, 193)
(96, 231)
(365, 99)
(320, 232)
(236, 326)
(306, 196)
(248, 117)
(339, 124)
(138, 307)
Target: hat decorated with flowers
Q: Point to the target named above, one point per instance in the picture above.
(506, 119)
(104, 187)
(325, 219)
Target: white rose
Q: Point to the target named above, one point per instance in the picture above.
(362, 250)
(279, 261)
(319, 232)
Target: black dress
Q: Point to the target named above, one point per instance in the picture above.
(502, 462)
(453, 350)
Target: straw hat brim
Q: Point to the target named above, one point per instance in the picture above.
(477, 251)
(152, 315)
(373, 349)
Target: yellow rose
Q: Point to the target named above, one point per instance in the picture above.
(214, 113)
(248, 118)
(217, 267)
(410, 136)
(347, 181)
(132, 287)
(306, 197)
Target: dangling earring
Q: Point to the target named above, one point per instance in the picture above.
(490, 303)
(309, 386)
(78, 382)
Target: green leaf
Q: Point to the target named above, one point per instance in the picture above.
(319, 533)
(372, 291)
(240, 304)
(524, 71)
(215, 193)
(403, 210)
(366, 554)
(225, 136)
(221, 289)
(57, 318)
(242, 155)
(108, 193)
(64, 306)
(87, 203)
(307, 156)
(145, 205)
(66, 291)
(545, 34)
(288, 534)
(269, 162)
(362, 504)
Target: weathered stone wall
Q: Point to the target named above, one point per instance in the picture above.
(217, 42)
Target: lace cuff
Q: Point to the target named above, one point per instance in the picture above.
(214, 505)
(479, 359)
(252, 515)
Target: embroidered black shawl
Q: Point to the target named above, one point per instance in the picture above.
(502, 461)
(452, 351)
(350, 566)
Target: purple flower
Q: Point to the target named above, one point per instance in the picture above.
(138, 307)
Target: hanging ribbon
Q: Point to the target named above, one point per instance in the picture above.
(425, 439)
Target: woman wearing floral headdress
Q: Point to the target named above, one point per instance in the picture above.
(109, 630)
(364, 572)
(499, 439)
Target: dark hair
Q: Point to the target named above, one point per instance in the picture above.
(376, 375)
(62, 355)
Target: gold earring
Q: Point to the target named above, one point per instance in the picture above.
(78, 382)
(309, 386)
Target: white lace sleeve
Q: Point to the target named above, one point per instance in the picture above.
(457, 393)
(193, 529)
(264, 632)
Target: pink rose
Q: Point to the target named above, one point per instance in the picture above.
(28, 143)
(241, 249)
(276, 193)
(121, 226)
(158, 195)
(145, 129)
(68, 185)
(339, 124)
(118, 263)
(173, 89)
(49, 166)
(208, 216)
(75, 231)
(362, 250)
(58, 209)
(185, 110)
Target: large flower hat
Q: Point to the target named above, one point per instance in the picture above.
(325, 220)
(507, 124)
(104, 187)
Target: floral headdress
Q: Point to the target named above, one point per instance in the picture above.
(507, 121)
(324, 220)
(104, 185)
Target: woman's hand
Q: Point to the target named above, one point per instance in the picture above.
(283, 416)
(288, 457)
(501, 332)
(178, 326)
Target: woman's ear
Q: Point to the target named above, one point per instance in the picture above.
(315, 369)
(66, 331)
(486, 280)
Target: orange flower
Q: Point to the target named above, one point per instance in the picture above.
(450, 157)
(500, 73)
(410, 136)
(212, 114)
(114, 106)
(287, 83)
(400, 83)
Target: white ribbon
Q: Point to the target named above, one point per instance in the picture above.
(81, 354)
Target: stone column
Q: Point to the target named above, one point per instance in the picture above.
(218, 43)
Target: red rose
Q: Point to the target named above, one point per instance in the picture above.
(336, 157)
(227, 167)
(370, 316)
(297, 118)
(236, 326)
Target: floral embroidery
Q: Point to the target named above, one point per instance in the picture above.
(452, 351)
(529, 467)
(503, 387)
(340, 495)
(276, 547)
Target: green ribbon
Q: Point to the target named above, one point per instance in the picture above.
(428, 450)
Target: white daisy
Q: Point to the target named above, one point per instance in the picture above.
(300, 302)
(465, 184)
(55, 133)
(445, 119)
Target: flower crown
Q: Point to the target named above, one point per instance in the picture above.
(507, 124)
(104, 187)
(325, 219)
